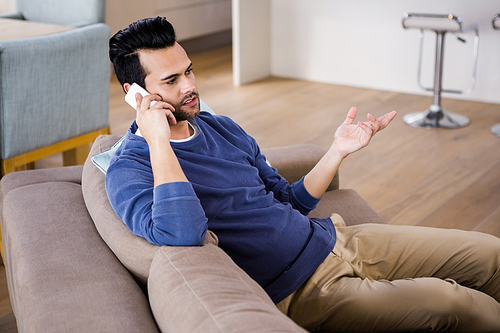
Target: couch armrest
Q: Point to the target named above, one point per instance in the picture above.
(14, 180)
(348, 204)
(200, 289)
(61, 275)
(72, 174)
(294, 162)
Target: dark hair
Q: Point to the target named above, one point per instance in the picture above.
(147, 34)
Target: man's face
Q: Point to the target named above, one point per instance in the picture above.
(170, 75)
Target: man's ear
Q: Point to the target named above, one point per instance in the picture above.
(126, 86)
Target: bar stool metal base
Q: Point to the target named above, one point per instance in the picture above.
(436, 117)
(495, 129)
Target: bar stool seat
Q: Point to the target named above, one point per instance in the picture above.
(436, 116)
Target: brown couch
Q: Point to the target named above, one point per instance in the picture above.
(73, 266)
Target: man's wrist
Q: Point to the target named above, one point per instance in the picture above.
(334, 155)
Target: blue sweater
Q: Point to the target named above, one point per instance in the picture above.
(259, 218)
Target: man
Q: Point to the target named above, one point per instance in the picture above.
(180, 172)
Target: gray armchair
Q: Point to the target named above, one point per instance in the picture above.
(54, 88)
(65, 12)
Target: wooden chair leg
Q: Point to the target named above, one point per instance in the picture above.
(7, 166)
(27, 166)
(1, 249)
(76, 156)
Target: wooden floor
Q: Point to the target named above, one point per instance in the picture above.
(441, 178)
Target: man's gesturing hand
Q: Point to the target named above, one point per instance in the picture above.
(350, 138)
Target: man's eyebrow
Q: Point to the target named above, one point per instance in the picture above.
(176, 75)
(169, 77)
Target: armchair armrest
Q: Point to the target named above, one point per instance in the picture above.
(294, 162)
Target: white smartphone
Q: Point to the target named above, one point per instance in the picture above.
(134, 89)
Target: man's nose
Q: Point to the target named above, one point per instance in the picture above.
(187, 86)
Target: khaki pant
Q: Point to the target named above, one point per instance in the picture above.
(402, 278)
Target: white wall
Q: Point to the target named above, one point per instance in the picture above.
(120, 13)
(190, 18)
(251, 40)
(362, 43)
(194, 18)
(7, 6)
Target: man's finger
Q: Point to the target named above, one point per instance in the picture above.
(351, 115)
(171, 118)
(138, 100)
(367, 128)
(386, 119)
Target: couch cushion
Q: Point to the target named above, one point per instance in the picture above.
(200, 289)
(135, 253)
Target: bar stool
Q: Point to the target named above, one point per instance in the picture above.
(495, 129)
(436, 116)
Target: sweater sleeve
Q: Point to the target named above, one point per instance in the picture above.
(170, 214)
(296, 194)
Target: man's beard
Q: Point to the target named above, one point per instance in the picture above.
(181, 114)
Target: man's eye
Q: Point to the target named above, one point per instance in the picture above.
(171, 81)
(189, 71)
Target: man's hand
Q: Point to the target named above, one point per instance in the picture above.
(154, 122)
(154, 125)
(350, 138)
